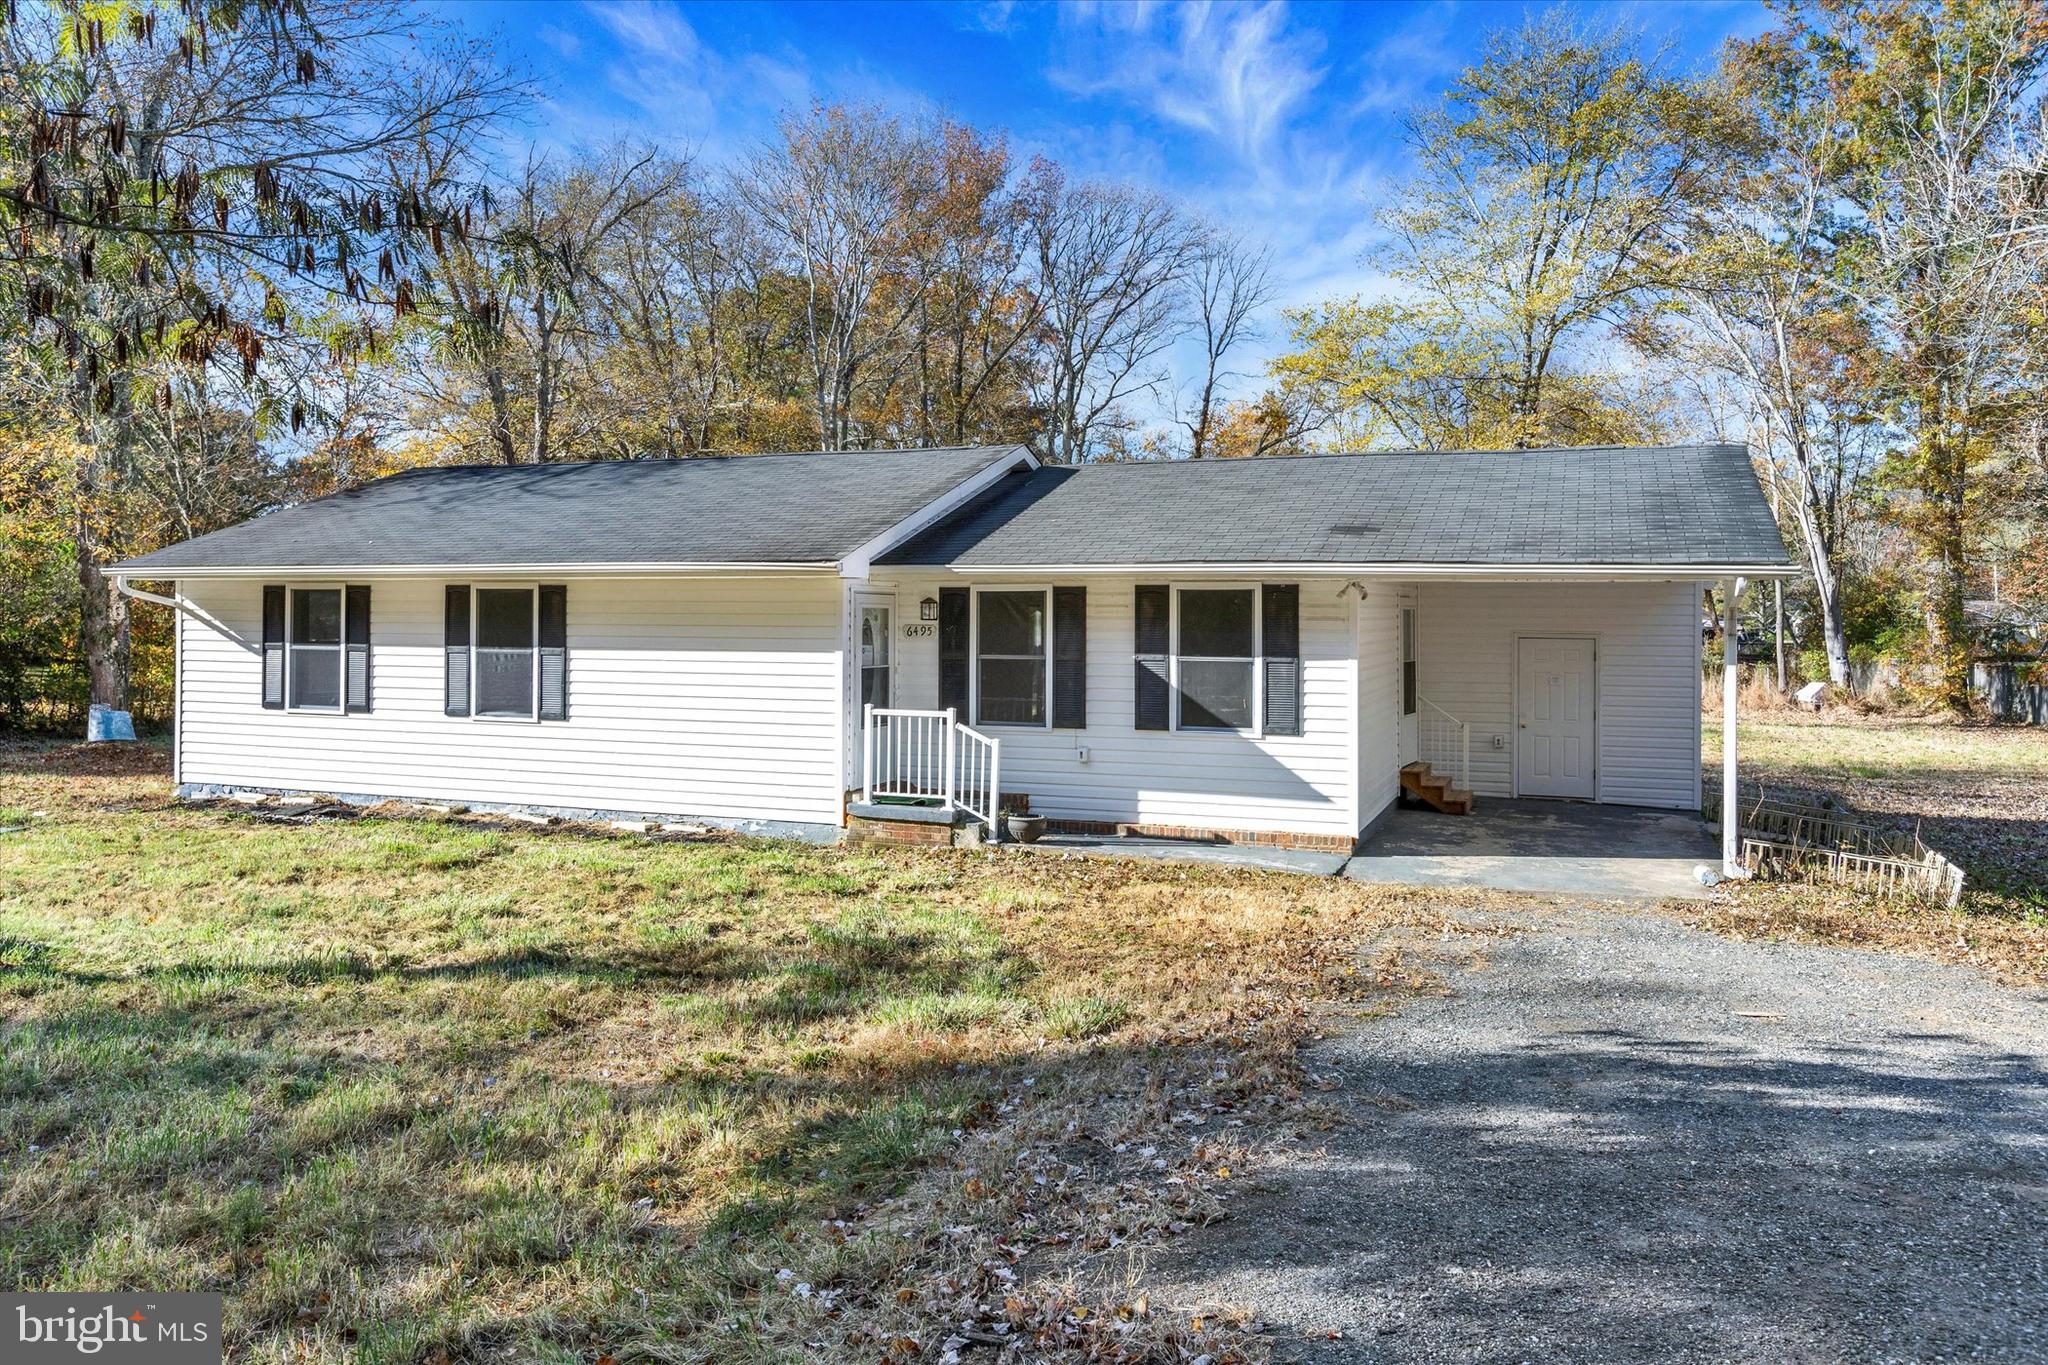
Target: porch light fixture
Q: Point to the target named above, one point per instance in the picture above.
(928, 610)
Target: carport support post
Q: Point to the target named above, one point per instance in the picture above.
(1731, 682)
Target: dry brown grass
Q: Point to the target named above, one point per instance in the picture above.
(1976, 792)
(421, 1090)
(2012, 949)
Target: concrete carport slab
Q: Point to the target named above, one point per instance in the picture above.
(1543, 846)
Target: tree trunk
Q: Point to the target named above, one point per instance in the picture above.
(543, 382)
(1820, 562)
(1944, 543)
(501, 413)
(1828, 591)
(1948, 635)
(103, 624)
(1778, 615)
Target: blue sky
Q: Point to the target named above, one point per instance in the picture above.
(1281, 120)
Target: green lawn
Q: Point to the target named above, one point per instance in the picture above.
(421, 1090)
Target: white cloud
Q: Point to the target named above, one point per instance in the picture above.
(1235, 72)
(560, 39)
(723, 102)
(990, 16)
(1409, 65)
(662, 67)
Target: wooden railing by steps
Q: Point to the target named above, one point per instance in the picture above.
(1435, 789)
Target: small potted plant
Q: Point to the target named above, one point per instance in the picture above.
(1023, 826)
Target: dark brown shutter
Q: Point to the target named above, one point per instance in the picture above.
(953, 662)
(273, 647)
(1152, 699)
(356, 646)
(455, 649)
(1070, 658)
(1280, 636)
(554, 652)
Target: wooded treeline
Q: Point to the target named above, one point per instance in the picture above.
(253, 252)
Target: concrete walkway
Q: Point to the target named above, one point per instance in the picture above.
(1306, 861)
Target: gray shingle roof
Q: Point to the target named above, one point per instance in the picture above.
(1681, 505)
(752, 509)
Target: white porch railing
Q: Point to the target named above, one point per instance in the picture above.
(977, 773)
(931, 758)
(1444, 742)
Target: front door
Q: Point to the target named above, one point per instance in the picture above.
(1555, 749)
(877, 650)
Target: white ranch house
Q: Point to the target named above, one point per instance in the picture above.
(897, 642)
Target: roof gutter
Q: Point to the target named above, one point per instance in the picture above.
(1470, 572)
(572, 570)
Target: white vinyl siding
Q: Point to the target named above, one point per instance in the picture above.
(1647, 687)
(1195, 779)
(708, 697)
(1379, 700)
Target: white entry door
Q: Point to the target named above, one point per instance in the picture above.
(1554, 731)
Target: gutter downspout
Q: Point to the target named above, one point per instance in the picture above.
(1731, 814)
(174, 603)
(178, 603)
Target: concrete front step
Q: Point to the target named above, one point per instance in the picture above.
(887, 822)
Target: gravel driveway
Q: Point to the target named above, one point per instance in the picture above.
(1621, 1139)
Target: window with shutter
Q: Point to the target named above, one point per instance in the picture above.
(313, 674)
(503, 662)
(1216, 656)
(1013, 656)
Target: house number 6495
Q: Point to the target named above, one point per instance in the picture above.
(916, 631)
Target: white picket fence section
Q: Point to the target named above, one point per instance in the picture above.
(1443, 742)
(931, 758)
(1788, 837)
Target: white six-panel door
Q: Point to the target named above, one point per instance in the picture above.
(1554, 730)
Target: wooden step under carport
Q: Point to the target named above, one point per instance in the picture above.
(1434, 789)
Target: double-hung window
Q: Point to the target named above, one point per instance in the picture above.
(1013, 664)
(313, 650)
(506, 660)
(1216, 659)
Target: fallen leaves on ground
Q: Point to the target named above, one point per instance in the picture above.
(2012, 949)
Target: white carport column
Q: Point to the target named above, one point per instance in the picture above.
(1731, 821)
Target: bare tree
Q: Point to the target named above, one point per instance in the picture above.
(1229, 281)
(1111, 266)
(526, 292)
(1754, 272)
(840, 194)
(979, 316)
